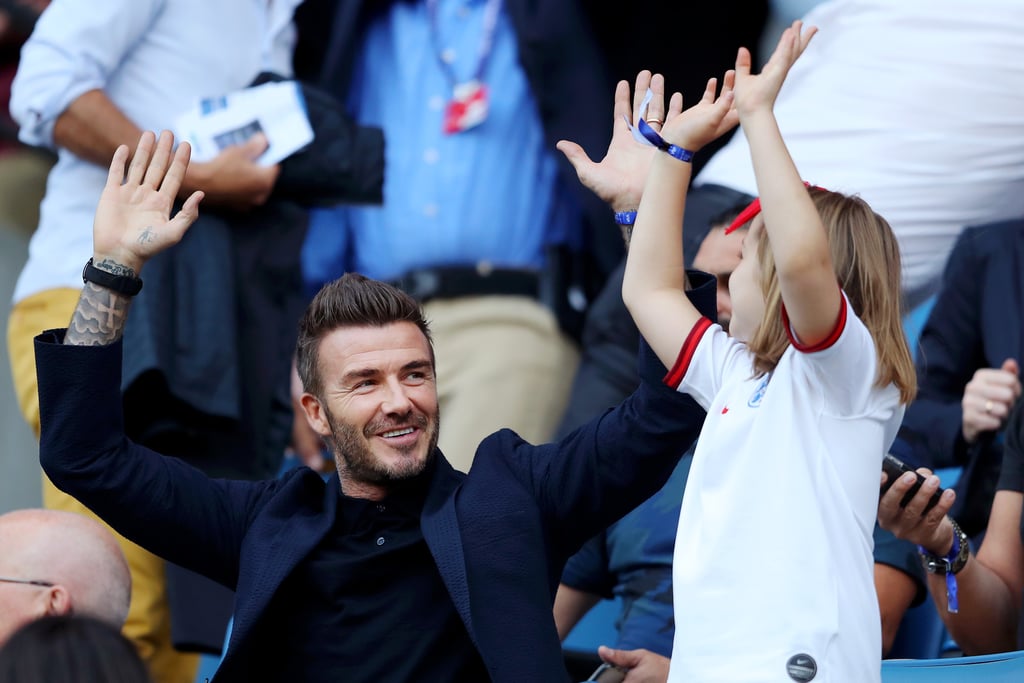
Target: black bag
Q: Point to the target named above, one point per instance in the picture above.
(343, 164)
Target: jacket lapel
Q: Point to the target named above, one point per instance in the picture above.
(1015, 281)
(274, 551)
(440, 526)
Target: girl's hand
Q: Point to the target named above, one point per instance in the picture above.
(132, 222)
(705, 121)
(619, 177)
(758, 92)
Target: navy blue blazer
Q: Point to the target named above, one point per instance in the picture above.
(977, 322)
(500, 535)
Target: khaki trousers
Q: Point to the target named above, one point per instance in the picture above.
(502, 361)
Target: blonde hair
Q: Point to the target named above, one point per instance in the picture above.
(866, 258)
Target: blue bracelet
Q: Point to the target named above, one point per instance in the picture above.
(655, 139)
(625, 217)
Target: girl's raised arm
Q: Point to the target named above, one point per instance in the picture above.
(797, 236)
(653, 286)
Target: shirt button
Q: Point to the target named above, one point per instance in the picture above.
(436, 103)
(381, 508)
(448, 55)
(431, 156)
(380, 541)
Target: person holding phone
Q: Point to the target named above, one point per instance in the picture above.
(978, 596)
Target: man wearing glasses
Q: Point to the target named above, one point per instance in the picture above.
(59, 563)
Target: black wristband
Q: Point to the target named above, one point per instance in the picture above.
(122, 284)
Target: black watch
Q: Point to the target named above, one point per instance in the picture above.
(122, 284)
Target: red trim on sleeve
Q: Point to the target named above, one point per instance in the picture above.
(825, 343)
(675, 375)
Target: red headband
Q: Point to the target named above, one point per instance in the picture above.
(754, 208)
(747, 214)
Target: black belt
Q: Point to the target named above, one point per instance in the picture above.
(457, 281)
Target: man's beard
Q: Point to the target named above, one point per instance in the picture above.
(355, 459)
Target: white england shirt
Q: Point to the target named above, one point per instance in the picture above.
(773, 567)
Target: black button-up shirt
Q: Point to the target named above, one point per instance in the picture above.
(371, 599)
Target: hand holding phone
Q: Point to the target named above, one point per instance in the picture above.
(895, 468)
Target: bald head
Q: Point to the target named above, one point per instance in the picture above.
(76, 554)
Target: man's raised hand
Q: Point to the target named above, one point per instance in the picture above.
(133, 222)
(619, 177)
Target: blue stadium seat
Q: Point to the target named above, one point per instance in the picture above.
(914, 321)
(1006, 667)
(597, 627)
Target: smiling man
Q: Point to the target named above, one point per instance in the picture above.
(400, 568)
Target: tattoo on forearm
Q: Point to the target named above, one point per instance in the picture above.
(100, 316)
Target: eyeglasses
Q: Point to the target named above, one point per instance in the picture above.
(28, 582)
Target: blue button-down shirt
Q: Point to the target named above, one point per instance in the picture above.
(490, 193)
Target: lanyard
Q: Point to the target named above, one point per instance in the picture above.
(486, 40)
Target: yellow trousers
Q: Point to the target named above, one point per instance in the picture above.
(148, 624)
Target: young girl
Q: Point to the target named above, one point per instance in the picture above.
(772, 572)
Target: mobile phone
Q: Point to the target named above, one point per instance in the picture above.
(608, 673)
(894, 467)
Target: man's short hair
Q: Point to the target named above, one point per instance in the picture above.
(353, 300)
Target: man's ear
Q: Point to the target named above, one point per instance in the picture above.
(58, 601)
(315, 414)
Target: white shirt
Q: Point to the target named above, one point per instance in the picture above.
(773, 555)
(915, 105)
(153, 59)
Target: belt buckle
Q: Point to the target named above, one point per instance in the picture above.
(423, 284)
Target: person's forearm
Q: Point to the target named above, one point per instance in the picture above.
(655, 259)
(799, 242)
(655, 275)
(986, 621)
(794, 228)
(571, 605)
(93, 126)
(101, 313)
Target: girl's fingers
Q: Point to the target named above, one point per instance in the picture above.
(743, 62)
(729, 82)
(805, 39)
(710, 89)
